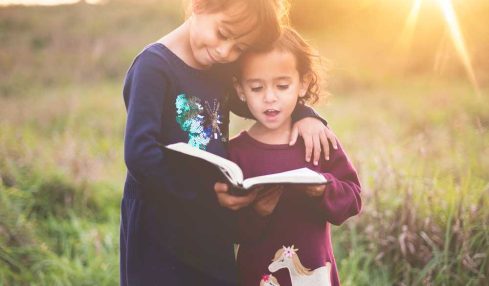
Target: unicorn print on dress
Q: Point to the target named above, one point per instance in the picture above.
(268, 280)
(287, 257)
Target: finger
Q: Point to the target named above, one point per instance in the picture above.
(235, 203)
(259, 188)
(332, 138)
(317, 149)
(293, 135)
(265, 194)
(325, 144)
(308, 145)
(221, 187)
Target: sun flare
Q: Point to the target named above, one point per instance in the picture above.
(456, 36)
(458, 39)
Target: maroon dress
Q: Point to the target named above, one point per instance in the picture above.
(298, 220)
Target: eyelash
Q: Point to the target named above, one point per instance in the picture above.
(221, 35)
(256, 89)
(283, 86)
(225, 38)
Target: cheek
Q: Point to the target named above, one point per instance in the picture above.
(253, 104)
(232, 57)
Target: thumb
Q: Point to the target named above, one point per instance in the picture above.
(220, 187)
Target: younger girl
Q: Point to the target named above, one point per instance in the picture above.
(287, 230)
(173, 231)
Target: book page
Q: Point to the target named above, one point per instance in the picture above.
(297, 176)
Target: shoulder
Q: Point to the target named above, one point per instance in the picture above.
(154, 56)
(239, 148)
(238, 141)
(152, 67)
(238, 145)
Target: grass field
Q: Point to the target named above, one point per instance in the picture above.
(418, 137)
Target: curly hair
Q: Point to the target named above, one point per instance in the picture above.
(308, 61)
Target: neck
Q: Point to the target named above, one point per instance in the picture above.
(280, 135)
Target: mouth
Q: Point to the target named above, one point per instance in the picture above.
(271, 113)
(212, 59)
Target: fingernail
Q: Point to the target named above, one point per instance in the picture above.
(315, 163)
(327, 158)
(308, 159)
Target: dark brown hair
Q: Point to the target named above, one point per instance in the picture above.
(268, 16)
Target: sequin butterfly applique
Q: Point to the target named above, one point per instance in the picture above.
(201, 122)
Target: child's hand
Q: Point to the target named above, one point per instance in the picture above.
(229, 201)
(315, 190)
(267, 200)
(315, 134)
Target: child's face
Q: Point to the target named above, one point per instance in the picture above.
(214, 38)
(271, 86)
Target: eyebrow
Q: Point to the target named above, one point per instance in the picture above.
(283, 78)
(253, 80)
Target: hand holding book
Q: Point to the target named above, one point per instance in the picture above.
(234, 175)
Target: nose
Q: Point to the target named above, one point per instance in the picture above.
(270, 95)
(224, 50)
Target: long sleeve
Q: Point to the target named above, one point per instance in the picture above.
(145, 89)
(301, 111)
(341, 198)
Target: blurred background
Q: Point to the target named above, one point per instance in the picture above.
(409, 85)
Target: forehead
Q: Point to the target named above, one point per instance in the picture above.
(275, 63)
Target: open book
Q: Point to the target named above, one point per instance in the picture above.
(233, 173)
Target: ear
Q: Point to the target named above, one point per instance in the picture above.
(305, 82)
(239, 89)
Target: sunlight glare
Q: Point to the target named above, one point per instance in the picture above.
(405, 39)
(458, 40)
(455, 34)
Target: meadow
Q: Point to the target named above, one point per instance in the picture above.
(413, 123)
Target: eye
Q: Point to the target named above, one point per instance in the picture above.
(256, 88)
(221, 35)
(282, 86)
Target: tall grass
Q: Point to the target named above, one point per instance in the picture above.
(61, 174)
(425, 172)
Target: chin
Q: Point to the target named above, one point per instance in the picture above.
(272, 126)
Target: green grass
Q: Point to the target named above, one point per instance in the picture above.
(62, 171)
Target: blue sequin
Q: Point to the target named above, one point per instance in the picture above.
(201, 124)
